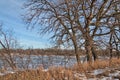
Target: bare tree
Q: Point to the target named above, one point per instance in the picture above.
(58, 22)
(74, 21)
(116, 33)
(7, 43)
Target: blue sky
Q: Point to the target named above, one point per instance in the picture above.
(10, 16)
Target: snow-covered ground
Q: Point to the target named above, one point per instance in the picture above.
(101, 74)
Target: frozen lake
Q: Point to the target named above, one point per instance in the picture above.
(35, 61)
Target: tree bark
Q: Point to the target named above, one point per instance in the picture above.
(117, 50)
(94, 54)
(89, 53)
(88, 48)
(76, 50)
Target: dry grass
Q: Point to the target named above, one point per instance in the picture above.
(60, 73)
(54, 73)
(99, 64)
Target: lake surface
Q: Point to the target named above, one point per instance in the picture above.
(36, 61)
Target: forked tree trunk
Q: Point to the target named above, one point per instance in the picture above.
(88, 42)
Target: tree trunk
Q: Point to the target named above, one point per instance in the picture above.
(89, 53)
(110, 47)
(76, 52)
(111, 52)
(94, 54)
(88, 48)
(117, 50)
(77, 56)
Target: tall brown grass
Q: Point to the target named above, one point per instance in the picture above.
(99, 64)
